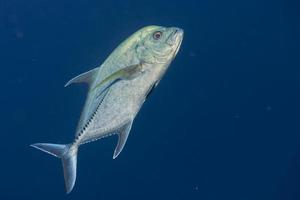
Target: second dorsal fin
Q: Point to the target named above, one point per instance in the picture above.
(86, 77)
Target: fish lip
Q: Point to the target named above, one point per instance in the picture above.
(175, 36)
(178, 34)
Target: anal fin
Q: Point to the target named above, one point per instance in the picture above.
(123, 135)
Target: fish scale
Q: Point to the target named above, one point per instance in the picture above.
(81, 133)
(117, 91)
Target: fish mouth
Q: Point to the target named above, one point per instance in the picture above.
(175, 37)
(179, 36)
(175, 40)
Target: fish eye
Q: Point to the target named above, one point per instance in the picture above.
(157, 35)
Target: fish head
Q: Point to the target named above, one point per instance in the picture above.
(158, 44)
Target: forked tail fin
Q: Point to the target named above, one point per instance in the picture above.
(68, 155)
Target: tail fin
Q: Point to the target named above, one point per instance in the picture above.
(68, 155)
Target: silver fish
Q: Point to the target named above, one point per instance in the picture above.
(117, 90)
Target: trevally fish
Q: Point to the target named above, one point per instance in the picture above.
(117, 90)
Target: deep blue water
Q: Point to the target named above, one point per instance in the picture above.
(224, 122)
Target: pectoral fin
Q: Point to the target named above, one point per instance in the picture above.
(86, 77)
(123, 135)
(126, 73)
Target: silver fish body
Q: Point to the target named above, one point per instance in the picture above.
(117, 90)
(119, 106)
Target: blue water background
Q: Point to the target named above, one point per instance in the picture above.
(224, 122)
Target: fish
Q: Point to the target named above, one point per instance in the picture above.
(117, 90)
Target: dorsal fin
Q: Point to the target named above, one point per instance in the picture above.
(86, 77)
(123, 135)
